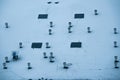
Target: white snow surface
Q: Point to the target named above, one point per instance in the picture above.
(95, 60)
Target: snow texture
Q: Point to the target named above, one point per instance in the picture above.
(94, 61)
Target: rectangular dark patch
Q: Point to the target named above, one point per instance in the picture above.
(36, 45)
(76, 45)
(79, 16)
(42, 16)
